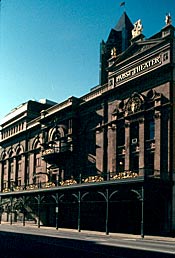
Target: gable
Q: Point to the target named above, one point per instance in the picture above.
(135, 49)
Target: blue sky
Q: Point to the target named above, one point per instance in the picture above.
(50, 48)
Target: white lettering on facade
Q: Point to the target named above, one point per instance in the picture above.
(138, 69)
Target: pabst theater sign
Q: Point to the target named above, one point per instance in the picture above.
(159, 60)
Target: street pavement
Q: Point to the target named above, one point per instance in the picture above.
(49, 242)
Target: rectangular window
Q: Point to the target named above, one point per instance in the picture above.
(120, 136)
(134, 163)
(134, 132)
(151, 129)
(149, 159)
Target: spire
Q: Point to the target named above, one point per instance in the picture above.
(124, 26)
(124, 22)
(119, 38)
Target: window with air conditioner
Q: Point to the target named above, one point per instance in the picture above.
(134, 132)
(134, 141)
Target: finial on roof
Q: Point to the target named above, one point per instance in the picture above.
(113, 52)
(138, 28)
(168, 19)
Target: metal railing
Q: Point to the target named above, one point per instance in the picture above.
(83, 179)
(55, 150)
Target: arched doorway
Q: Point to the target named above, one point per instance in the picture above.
(68, 211)
(93, 211)
(125, 212)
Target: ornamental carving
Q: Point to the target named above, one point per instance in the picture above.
(134, 104)
(168, 19)
(113, 52)
(123, 175)
(138, 28)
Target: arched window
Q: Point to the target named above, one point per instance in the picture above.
(149, 160)
(10, 168)
(4, 174)
(4, 165)
(134, 155)
(134, 132)
(37, 160)
(37, 164)
(120, 162)
(19, 168)
(58, 138)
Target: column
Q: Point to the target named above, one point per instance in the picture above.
(141, 147)
(99, 149)
(105, 137)
(127, 145)
(12, 164)
(5, 173)
(165, 144)
(22, 170)
(43, 164)
(79, 211)
(15, 175)
(31, 168)
(112, 148)
(1, 177)
(173, 204)
(7, 176)
(157, 142)
(172, 167)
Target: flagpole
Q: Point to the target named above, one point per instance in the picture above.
(123, 4)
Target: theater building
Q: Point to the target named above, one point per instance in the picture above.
(104, 161)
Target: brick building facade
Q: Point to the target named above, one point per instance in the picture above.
(111, 150)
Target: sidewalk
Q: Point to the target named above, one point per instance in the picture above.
(92, 233)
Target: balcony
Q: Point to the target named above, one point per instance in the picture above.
(84, 180)
(56, 155)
